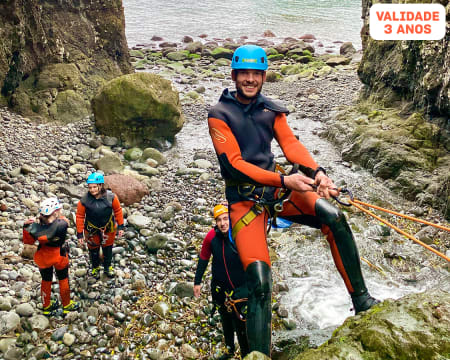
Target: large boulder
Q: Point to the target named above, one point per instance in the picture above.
(140, 109)
(128, 189)
(55, 55)
(406, 70)
(415, 327)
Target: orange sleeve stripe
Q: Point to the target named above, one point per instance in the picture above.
(225, 143)
(80, 217)
(117, 210)
(293, 149)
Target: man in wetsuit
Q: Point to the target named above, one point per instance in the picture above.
(228, 276)
(242, 126)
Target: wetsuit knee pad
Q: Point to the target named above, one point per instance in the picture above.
(327, 213)
(62, 274)
(259, 278)
(47, 274)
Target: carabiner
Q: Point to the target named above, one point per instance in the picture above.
(344, 191)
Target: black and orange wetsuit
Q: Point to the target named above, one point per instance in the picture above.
(99, 219)
(242, 136)
(50, 254)
(227, 275)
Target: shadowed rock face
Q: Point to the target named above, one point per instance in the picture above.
(416, 71)
(54, 55)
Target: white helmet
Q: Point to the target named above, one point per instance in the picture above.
(49, 206)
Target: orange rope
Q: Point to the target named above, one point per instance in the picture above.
(354, 203)
(402, 215)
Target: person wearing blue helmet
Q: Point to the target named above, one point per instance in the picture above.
(242, 126)
(99, 218)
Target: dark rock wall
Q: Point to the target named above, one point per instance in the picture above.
(416, 71)
(86, 39)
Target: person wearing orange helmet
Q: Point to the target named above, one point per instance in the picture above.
(242, 126)
(50, 231)
(227, 278)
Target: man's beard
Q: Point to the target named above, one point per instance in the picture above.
(243, 96)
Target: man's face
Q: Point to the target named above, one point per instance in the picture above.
(248, 84)
(223, 223)
(94, 189)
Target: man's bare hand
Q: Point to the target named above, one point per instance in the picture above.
(298, 182)
(197, 290)
(325, 186)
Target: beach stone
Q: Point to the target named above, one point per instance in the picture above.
(127, 188)
(39, 322)
(156, 242)
(139, 221)
(188, 352)
(133, 154)
(8, 321)
(6, 343)
(68, 339)
(347, 49)
(13, 353)
(109, 164)
(338, 60)
(29, 251)
(155, 154)
(161, 308)
(256, 355)
(25, 309)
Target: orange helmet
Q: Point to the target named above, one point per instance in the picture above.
(219, 210)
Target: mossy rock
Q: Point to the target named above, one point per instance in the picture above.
(220, 52)
(69, 106)
(178, 55)
(59, 76)
(137, 54)
(412, 328)
(138, 109)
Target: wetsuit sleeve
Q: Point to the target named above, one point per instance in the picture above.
(201, 267)
(27, 238)
(293, 149)
(118, 214)
(80, 218)
(205, 255)
(227, 146)
(206, 251)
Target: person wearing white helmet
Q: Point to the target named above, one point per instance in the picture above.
(99, 218)
(50, 231)
(242, 126)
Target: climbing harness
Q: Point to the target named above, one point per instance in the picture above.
(109, 227)
(230, 305)
(357, 203)
(260, 203)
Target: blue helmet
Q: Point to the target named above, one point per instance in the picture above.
(249, 57)
(95, 178)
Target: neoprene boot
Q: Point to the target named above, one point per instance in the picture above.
(363, 302)
(107, 258)
(345, 254)
(259, 311)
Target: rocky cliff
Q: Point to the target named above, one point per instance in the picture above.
(416, 71)
(54, 55)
